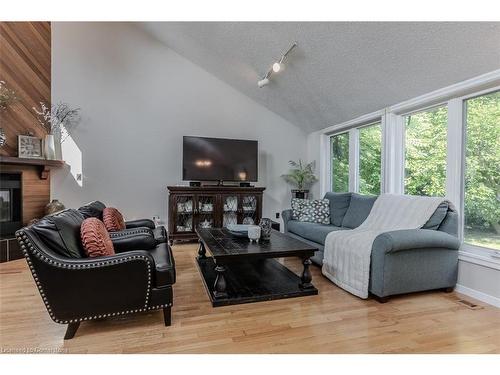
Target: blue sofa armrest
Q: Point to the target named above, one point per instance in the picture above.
(413, 260)
(414, 239)
(286, 215)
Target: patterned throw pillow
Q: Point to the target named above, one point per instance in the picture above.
(298, 205)
(316, 211)
(95, 238)
(113, 219)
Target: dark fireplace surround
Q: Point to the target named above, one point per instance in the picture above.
(10, 203)
(24, 192)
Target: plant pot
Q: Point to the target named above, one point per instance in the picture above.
(300, 193)
(49, 145)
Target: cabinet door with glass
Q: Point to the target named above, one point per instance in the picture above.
(230, 209)
(183, 207)
(205, 211)
(249, 209)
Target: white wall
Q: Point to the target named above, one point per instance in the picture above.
(479, 281)
(138, 98)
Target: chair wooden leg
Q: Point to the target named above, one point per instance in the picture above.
(71, 330)
(167, 315)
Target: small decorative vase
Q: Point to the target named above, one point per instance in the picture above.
(49, 147)
(53, 207)
(265, 229)
(254, 233)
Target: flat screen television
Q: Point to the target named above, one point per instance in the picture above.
(219, 159)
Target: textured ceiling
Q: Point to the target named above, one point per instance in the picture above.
(340, 70)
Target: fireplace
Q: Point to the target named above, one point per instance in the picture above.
(10, 204)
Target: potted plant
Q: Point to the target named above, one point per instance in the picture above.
(58, 121)
(302, 176)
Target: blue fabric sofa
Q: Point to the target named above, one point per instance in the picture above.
(402, 261)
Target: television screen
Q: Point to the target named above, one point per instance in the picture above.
(219, 159)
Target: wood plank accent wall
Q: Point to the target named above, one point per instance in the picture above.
(25, 57)
(25, 63)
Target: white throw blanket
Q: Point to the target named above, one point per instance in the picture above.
(347, 252)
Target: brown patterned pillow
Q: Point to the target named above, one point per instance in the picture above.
(95, 238)
(113, 219)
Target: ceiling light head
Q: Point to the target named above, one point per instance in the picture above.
(263, 82)
(277, 67)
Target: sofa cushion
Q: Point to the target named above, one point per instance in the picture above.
(95, 238)
(113, 219)
(133, 239)
(450, 223)
(92, 209)
(316, 211)
(61, 233)
(339, 203)
(298, 205)
(164, 265)
(359, 209)
(437, 217)
(311, 231)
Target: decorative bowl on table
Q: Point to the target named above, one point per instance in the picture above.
(238, 230)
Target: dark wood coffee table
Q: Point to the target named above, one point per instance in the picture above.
(239, 271)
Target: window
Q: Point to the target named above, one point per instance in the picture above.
(482, 171)
(425, 152)
(339, 156)
(370, 147)
(451, 149)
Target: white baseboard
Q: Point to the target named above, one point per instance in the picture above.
(483, 297)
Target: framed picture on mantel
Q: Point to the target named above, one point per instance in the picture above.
(29, 147)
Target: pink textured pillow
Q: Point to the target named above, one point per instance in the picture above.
(95, 238)
(113, 219)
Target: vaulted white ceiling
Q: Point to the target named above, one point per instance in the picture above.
(340, 70)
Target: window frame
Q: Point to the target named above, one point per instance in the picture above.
(476, 251)
(358, 153)
(353, 130)
(393, 152)
(348, 132)
(402, 123)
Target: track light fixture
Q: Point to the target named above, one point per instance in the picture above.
(276, 67)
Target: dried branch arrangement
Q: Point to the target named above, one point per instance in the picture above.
(7, 96)
(58, 120)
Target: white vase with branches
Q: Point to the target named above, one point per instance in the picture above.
(58, 121)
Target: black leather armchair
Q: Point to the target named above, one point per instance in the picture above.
(76, 289)
(95, 209)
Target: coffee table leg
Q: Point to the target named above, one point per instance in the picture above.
(220, 282)
(306, 277)
(201, 251)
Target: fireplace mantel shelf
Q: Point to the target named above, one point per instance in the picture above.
(44, 165)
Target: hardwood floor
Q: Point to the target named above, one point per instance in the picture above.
(332, 322)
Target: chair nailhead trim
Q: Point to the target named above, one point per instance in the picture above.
(23, 241)
(136, 231)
